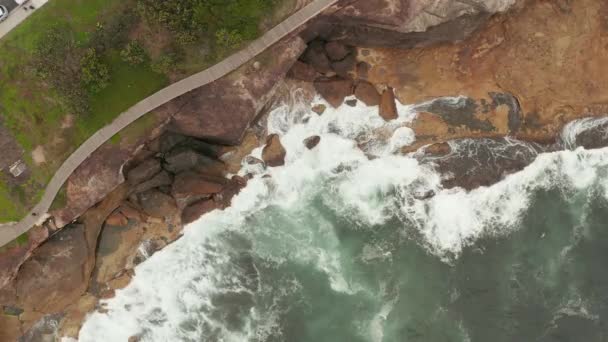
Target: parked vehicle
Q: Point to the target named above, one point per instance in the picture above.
(3, 13)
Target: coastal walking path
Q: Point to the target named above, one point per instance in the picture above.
(9, 232)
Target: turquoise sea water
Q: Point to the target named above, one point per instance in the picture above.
(342, 244)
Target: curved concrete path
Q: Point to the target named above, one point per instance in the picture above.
(9, 232)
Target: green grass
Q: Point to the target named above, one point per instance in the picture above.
(130, 84)
(35, 113)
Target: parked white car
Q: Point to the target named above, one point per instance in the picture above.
(3, 13)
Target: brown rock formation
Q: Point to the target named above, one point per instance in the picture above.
(334, 90)
(302, 71)
(273, 153)
(189, 187)
(242, 94)
(388, 107)
(194, 211)
(336, 51)
(367, 93)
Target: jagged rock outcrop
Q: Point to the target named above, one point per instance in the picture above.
(242, 94)
(273, 153)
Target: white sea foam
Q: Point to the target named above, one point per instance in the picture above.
(171, 296)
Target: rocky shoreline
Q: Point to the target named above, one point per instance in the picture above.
(487, 105)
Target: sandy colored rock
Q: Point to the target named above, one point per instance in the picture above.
(388, 107)
(10, 328)
(117, 219)
(273, 153)
(334, 90)
(367, 93)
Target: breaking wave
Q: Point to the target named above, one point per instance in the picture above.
(254, 272)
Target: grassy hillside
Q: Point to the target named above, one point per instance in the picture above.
(75, 65)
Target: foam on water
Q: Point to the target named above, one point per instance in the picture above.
(173, 295)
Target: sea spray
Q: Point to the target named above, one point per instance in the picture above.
(342, 244)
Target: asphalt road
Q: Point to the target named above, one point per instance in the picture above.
(9, 4)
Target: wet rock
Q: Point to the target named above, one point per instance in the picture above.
(311, 142)
(144, 171)
(319, 109)
(184, 158)
(194, 211)
(367, 93)
(336, 51)
(514, 115)
(315, 56)
(458, 111)
(388, 107)
(273, 153)
(351, 103)
(189, 187)
(302, 71)
(482, 162)
(334, 90)
(156, 204)
(438, 149)
(161, 179)
(251, 160)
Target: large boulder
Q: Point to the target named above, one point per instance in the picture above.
(388, 107)
(194, 211)
(53, 277)
(144, 171)
(302, 71)
(156, 203)
(189, 187)
(274, 153)
(184, 158)
(315, 56)
(336, 51)
(367, 93)
(220, 112)
(163, 178)
(334, 89)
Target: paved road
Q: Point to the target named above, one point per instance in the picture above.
(18, 14)
(10, 232)
(9, 4)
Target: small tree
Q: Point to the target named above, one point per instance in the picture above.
(133, 53)
(95, 74)
(164, 64)
(227, 40)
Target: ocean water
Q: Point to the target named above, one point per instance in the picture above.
(344, 243)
